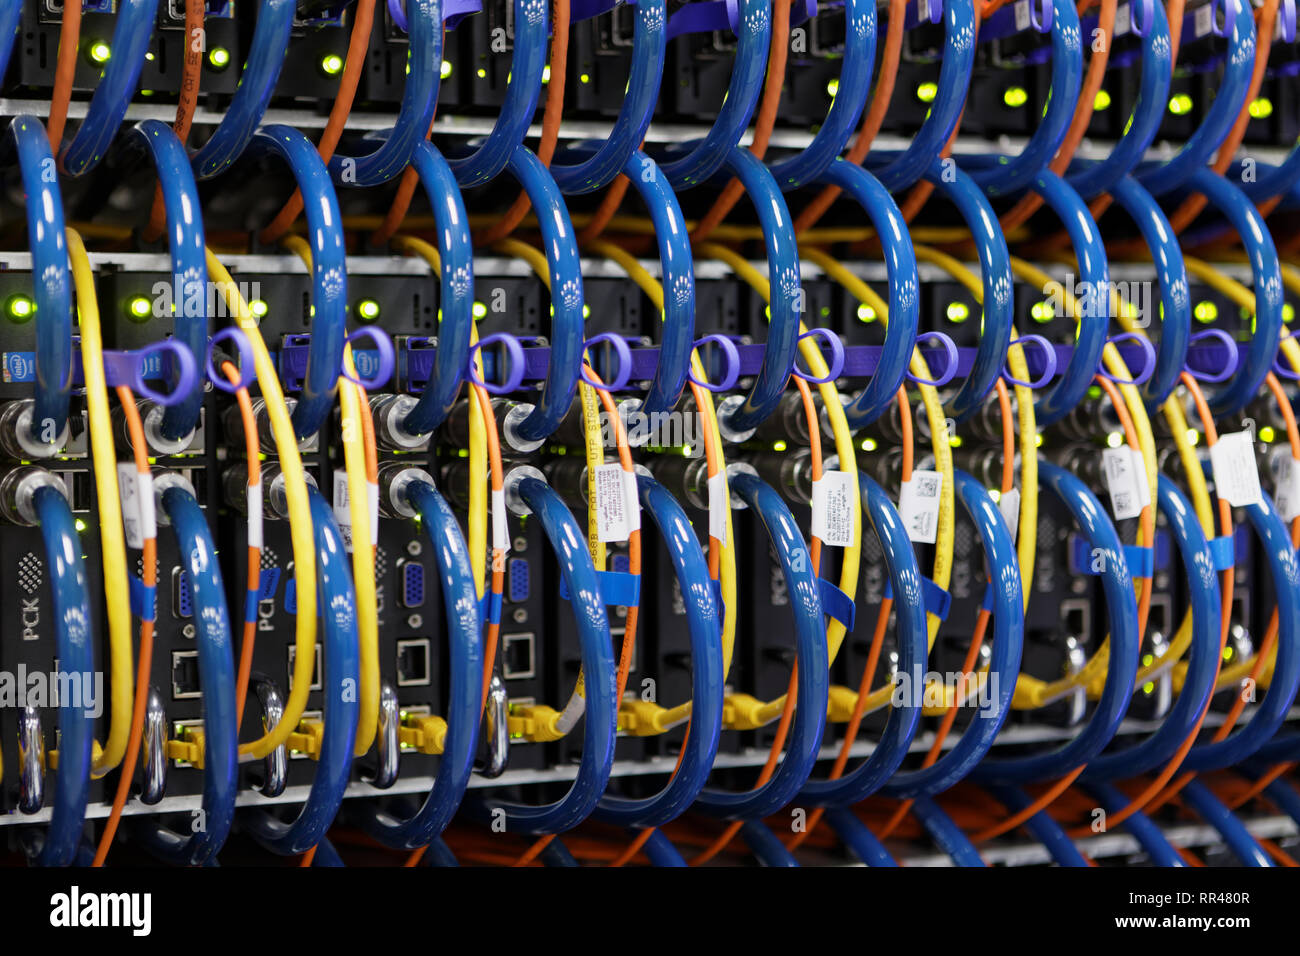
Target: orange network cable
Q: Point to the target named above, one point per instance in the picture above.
(362, 18)
(253, 456)
(65, 71)
(188, 101)
(149, 577)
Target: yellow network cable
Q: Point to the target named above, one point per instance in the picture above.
(112, 540)
(352, 407)
(300, 528)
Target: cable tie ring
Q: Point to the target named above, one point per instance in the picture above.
(515, 366)
(1141, 27)
(247, 371)
(732, 374)
(1229, 367)
(1284, 368)
(1049, 362)
(624, 353)
(950, 369)
(837, 357)
(1286, 20)
(129, 368)
(385, 353)
(1042, 22)
(1215, 7)
(1148, 367)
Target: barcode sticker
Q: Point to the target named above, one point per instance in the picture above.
(612, 522)
(255, 516)
(918, 505)
(500, 533)
(1286, 482)
(342, 508)
(1126, 481)
(129, 492)
(1236, 473)
(633, 501)
(1022, 15)
(1203, 19)
(718, 506)
(1009, 506)
(148, 516)
(832, 509)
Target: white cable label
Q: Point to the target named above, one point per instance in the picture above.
(148, 516)
(129, 492)
(372, 502)
(918, 505)
(1009, 506)
(255, 516)
(1123, 20)
(1022, 15)
(832, 509)
(633, 501)
(500, 533)
(719, 505)
(1203, 19)
(1286, 482)
(612, 522)
(342, 508)
(1236, 473)
(1126, 481)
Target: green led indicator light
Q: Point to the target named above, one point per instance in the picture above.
(926, 92)
(1015, 96)
(958, 312)
(1205, 311)
(99, 53)
(219, 57)
(331, 64)
(20, 308)
(368, 310)
(139, 308)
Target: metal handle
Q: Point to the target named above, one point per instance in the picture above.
(387, 748)
(154, 782)
(276, 765)
(31, 761)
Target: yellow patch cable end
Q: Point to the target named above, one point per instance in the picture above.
(425, 733)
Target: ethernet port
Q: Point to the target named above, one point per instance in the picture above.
(316, 672)
(518, 656)
(185, 675)
(413, 665)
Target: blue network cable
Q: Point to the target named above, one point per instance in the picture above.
(810, 653)
(661, 852)
(567, 333)
(10, 12)
(53, 293)
(1140, 826)
(266, 55)
(703, 621)
(945, 833)
(455, 291)
(1125, 643)
(75, 652)
(1042, 828)
(419, 98)
(1004, 665)
(189, 278)
(1013, 173)
(904, 289)
(199, 847)
(465, 629)
(569, 544)
(1238, 839)
(913, 648)
(528, 60)
(329, 299)
(131, 35)
(768, 850)
(858, 837)
(341, 678)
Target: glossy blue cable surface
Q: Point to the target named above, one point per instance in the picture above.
(464, 677)
(266, 55)
(660, 852)
(676, 265)
(850, 98)
(1206, 600)
(562, 261)
(74, 649)
(754, 31)
(954, 80)
(786, 293)
(945, 833)
(1266, 275)
(904, 289)
(1245, 847)
(1269, 714)
(415, 114)
(1284, 795)
(703, 622)
(439, 854)
(1175, 313)
(767, 849)
(1140, 826)
(131, 34)
(217, 678)
(53, 292)
(570, 547)
(329, 299)
(341, 659)
(645, 74)
(455, 291)
(1125, 642)
(1090, 179)
(1229, 97)
(1013, 173)
(913, 649)
(10, 13)
(528, 59)
(857, 836)
(185, 245)
(810, 649)
(1004, 665)
(1042, 828)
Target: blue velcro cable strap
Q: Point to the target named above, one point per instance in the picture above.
(144, 600)
(617, 588)
(267, 582)
(1224, 552)
(836, 603)
(251, 600)
(937, 601)
(489, 608)
(1141, 560)
(291, 596)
